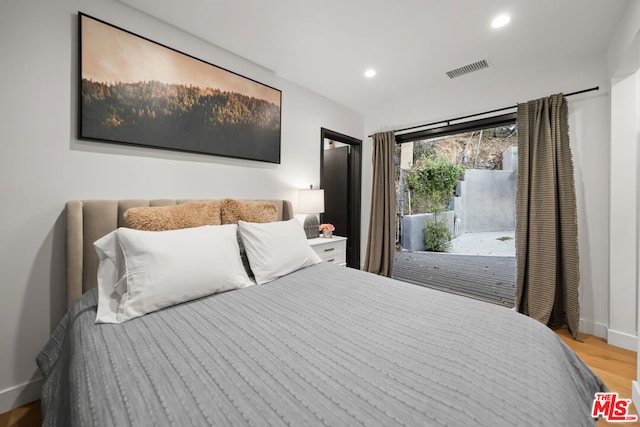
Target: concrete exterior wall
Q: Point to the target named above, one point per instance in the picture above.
(510, 159)
(488, 201)
(413, 229)
(485, 201)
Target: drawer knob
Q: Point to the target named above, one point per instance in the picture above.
(329, 249)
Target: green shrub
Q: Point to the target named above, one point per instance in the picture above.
(433, 182)
(437, 237)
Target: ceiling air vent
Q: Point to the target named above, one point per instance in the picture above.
(476, 66)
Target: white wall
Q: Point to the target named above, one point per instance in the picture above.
(589, 139)
(624, 212)
(589, 135)
(624, 71)
(42, 164)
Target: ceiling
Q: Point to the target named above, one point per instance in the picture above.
(327, 45)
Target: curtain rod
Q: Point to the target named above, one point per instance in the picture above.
(486, 112)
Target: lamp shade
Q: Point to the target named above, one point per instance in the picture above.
(311, 201)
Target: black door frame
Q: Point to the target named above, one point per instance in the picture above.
(354, 190)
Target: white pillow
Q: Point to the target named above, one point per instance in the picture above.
(276, 248)
(144, 271)
(111, 277)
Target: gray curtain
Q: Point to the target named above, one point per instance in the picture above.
(546, 216)
(382, 239)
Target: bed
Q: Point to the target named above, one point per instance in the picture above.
(322, 345)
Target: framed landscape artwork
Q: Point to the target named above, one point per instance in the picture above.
(135, 91)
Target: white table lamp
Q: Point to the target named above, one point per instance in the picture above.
(311, 202)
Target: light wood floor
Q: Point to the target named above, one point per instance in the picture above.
(615, 366)
(24, 416)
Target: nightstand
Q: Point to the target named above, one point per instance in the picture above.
(333, 250)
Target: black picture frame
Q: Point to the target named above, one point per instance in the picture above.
(135, 91)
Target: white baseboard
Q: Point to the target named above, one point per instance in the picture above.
(593, 328)
(20, 394)
(621, 339)
(635, 394)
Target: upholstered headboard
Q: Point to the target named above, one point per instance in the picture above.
(88, 220)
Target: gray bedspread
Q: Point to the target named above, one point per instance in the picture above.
(325, 345)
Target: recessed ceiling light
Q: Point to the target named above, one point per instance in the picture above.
(500, 21)
(370, 73)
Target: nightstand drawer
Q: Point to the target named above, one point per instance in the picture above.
(331, 253)
(333, 250)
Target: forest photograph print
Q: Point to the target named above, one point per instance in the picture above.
(136, 91)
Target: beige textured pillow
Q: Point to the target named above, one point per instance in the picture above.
(232, 211)
(162, 218)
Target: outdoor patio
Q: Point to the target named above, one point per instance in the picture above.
(479, 265)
